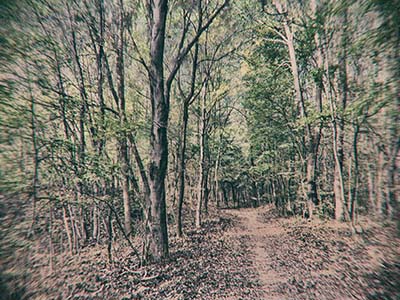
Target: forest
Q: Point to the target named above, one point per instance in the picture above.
(200, 149)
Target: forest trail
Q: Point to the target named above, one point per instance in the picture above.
(257, 233)
(246, 253)
(298, 259)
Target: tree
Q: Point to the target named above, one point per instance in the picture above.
(160, 92)
(156, 211)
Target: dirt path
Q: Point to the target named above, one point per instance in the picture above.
(248, 254)
(257, 233)
(297, 259)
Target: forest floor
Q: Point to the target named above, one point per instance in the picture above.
(248, 253)
(297, 259)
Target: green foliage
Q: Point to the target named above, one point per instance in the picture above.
(271, 114)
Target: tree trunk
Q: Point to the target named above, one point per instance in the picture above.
(216, 176)
(95, 223)
(339, 162)
(185, 118)
(354, 186)
(36, 162)
(341, 213)
(110, 235)
(206, 190)
(380, 198)
(123, 142)
(67, 230)
(394, 133)
(234, 199)
(202, 173)
(371, 190)
(224, 192)
(182, 168)
(157, 235)
(311, 142)
(51, 245)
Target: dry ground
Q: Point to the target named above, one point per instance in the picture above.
(296, 259)
(239, 254)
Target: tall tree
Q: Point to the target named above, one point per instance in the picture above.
(156, 211)
(160, 91)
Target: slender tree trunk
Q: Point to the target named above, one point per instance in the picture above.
(110, 236)
(393, 176)
(67, 230)
(35, 180)
(125, 197)
(157, 236)
(100, 140)
(339, 162)
(182, 168)
(319, 87)
(202, 141)
(312, 197)
(83, 94)
(95, 222)
(83, 224)
(354, 186)
(234, 195)
(206, 190)
(216, 176)
(371, 190)
(123, 142)
(185, 118)
(311, 143)
(224, 196)
(337, 190)
(51, 245)
(380, 198)
(73, 230)
(341, 213)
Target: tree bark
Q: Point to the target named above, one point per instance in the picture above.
(354, 186)
(339, 162)
(311, 142)
(123, 142)
(394, 133)
(200, 189)
(67, 230)
(36, 162)
(185, 118)
(157, 236)
(182, 167)
(202, 162)
(216, 173)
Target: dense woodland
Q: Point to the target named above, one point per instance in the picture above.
(126, 124)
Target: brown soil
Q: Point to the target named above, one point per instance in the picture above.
(298, 259)
(238, 254)
(257, 233)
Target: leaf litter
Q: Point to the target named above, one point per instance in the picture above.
(239, 254)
